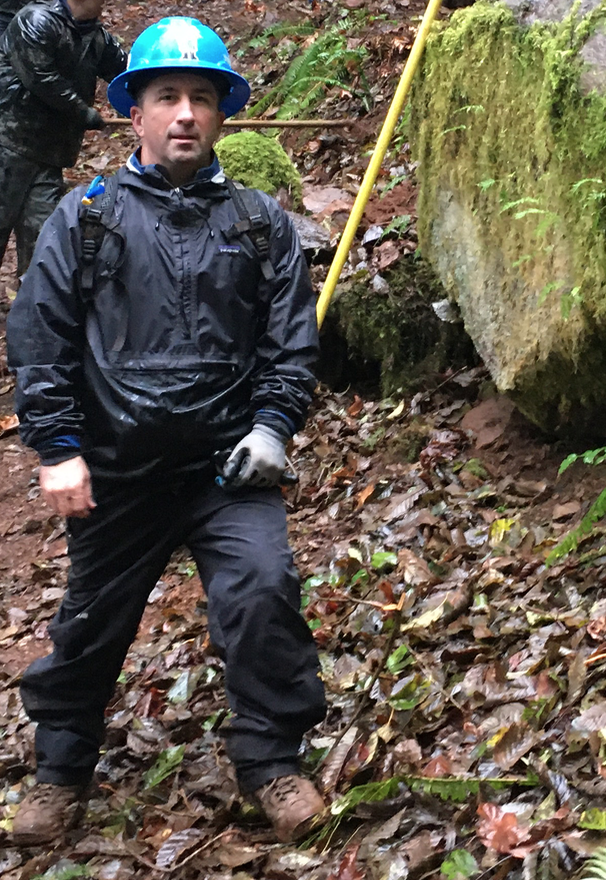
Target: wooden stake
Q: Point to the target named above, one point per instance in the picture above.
(262, 123)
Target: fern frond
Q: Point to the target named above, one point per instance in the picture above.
(313, 95)
(326, 63)
(595, 456)
(272, 97)
(595, 867)
(301, 67)
(369, 793)
(278, 31)
(570, 543)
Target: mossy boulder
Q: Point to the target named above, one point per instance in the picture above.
(259, 162)
(508, 124)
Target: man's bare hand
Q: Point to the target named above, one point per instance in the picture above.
(66, 487)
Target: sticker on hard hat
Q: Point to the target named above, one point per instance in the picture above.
(187, 39)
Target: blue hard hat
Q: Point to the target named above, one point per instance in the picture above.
(179, 43)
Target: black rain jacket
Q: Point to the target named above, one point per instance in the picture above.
(184, 342)
(48, 75)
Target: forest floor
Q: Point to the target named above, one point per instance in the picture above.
(465, 678)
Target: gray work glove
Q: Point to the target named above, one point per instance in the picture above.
(91, 118)
(259, 459)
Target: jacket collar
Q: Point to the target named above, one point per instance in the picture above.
(157, 177)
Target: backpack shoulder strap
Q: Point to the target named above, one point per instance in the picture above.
(254, 222)
(95, 215)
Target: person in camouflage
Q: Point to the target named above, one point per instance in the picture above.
(50, 57)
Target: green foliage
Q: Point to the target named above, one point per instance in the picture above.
(63, 870)
(360, 577)
(569, 300)
(411, 691)
(596, 512)
(395, 181)
(591, 456)
(259, 162)
(459, 865)
(315, 580)
(120, 818)
(398, 660)
(360, 794)
(536, 712)
(595, 867)
(382, 560)
(365, 794)
(375, 438)
(187, 568)
(457, 789)
(398, 226)
(279, 31)
(593, 819)
(168, 761)
(400, 137)
(328, 63)
(476, 467)
(570, 543)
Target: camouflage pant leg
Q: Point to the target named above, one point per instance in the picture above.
(45, 192)
(29, 193)
(11, 197)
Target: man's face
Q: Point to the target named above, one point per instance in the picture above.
(84, 10)
(178, 121)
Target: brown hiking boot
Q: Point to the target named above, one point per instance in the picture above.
(292, 805)
(47, 812)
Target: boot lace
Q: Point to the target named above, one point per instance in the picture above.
(46, 794)
(283, 789)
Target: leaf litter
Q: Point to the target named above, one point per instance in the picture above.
(464, 679)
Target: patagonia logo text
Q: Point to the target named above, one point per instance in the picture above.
(229, 249)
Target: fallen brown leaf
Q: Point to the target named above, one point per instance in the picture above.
(8, 424)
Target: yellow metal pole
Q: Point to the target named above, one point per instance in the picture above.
(376, 160)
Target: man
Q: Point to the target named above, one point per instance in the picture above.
(50, 57)
(188, 347)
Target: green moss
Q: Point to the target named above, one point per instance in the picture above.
(259, 162)
(475, 467)
(407, 444)
(398, 330)
(498, 114)
(499, 118)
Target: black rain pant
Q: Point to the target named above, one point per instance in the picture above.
(29, 193)
(239, 543)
